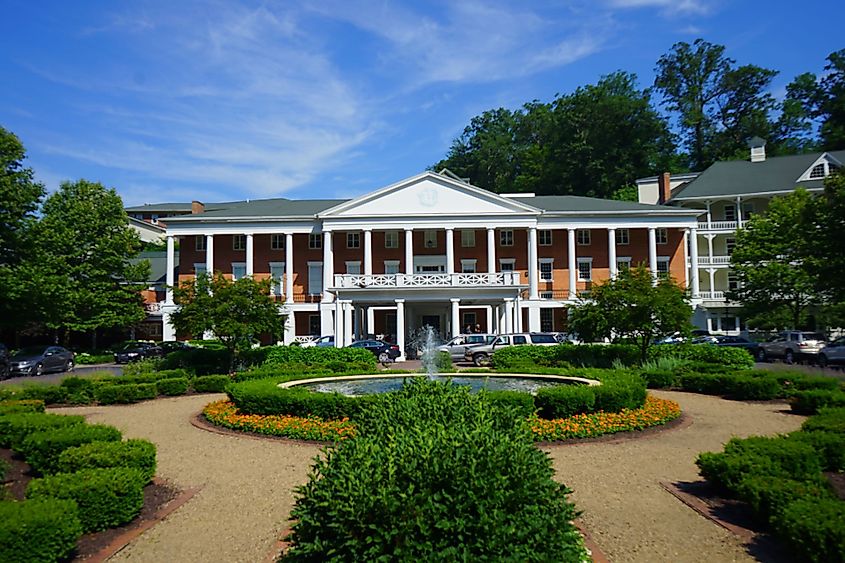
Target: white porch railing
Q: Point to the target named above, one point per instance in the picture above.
(712, 295)
(376, 281)
(715, 261)
(720, 225)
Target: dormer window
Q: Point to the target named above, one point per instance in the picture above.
(818, 170)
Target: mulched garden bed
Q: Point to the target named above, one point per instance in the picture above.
(160, 499)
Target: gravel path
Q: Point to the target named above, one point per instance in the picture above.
(248, 484)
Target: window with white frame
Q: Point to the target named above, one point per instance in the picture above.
(623, 236)
(582, 236)
(315, 278)
(662, 235)
(506, 237)
(277, 242)
(468, 238)
(277, 272)
(353, 240)
(353, 267)
(585, 269)
(544, 237)
(391, 266)
(623, 263)
(238, 242)
(730, 244)
(200, 268)
(315, 241)
(547, 320)
(314, 323)
(506, 264)
(199, 243)
(663, 266)
(238, 270)
(730, 212)
(546, 294)
(468, 266)
(430, 239)
(391, 239)
(546, 269)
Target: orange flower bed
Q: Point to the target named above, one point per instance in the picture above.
(654, 413)
(225, 413)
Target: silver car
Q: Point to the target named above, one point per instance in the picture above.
(480, 355)
(792, 345)
(458, 346)
(833, 354)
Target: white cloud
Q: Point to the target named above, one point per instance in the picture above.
(668, 6)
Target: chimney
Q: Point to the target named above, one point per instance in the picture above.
(758, 149)
(664, 188)
(197, 207)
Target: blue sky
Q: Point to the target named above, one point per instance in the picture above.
(221, 100)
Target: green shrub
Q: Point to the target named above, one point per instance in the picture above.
(443, 362)
(809, 402)
(457, 480)
(38, 530)
(42, 449)
(281, 356)
(85, 359)
(200, 361)
(564, 355)
(147, 365)
(211, 383)
(814, 529)
(798, 381)
(172, 386)
(827, 420)
(77, 385)
(562, 401)
(116, 394)
(613, 396)
(708, 353)
(830, 447)
(747, 388)
(50, 394)
(146, 391)
(171, 373)
(264, 396)
(21, 406)
(105, 498)
(15, 427)
(522, 404)
(768, 496)
(704, 383)
(138, 454)
(776, 457)
(658, 379)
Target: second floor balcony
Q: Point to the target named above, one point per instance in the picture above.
(721, 226)
(436, 280)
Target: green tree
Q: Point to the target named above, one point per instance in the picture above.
(20, 196)
(822, 99)
(824, 226)
(772, 263)
(633, 307)
(719, 105)
(81, 270)
(235, 312)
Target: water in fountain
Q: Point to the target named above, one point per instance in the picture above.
(428, 354)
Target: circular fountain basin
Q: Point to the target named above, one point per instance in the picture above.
(357, 385)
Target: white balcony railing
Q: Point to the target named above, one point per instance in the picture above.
(377, 281)
(712, 295)
(712, 261)
(721, 225)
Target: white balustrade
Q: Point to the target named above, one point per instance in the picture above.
(355, 281)
(713, 295)
(721, 225)
(714, 261)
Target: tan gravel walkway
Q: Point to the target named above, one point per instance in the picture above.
(248, 484)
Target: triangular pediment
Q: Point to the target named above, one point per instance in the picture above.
(428, 194)
(822, 167)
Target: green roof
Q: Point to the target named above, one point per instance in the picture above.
(277, 207)
(181, 207)
(740, 177)
(158, 264)
(580, 204)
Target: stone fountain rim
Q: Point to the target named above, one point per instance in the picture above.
(567, 378)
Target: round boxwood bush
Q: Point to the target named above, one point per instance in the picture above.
(435, 474)
(42, 449)
(38, 530)
(105, 498)
(140, 454)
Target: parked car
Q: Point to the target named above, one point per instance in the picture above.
(833, 354)
(480, 355)
(322, 342)
(384, 351)
(792, 345)
(567, 338)
(173, 346)
(738, 342)
(133, 351)
(458, 346)
(4, 361)
(35, 360)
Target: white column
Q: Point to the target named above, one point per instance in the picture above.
(368, 252)
(533, 265)
(491, 250)
(400, 328)
(709, 215)
(534, 319)
(456, 317)
(710, 249)
(326, 320)
(712, 273)
(171, 266)
(348, 311)
(517, 314)
(371, 321)
(652, 251)
(209, 254)
(508, 315)
(738, 213)
(450, 251)
(709, 323)
(573, 270)
(500, 318)
(290, 328)
(489, 309)
(328, 268)
(250, 258)
(409, 256)
(168, 333)
(693, 247)
(338, 324)
(289, 268)
(611, 252)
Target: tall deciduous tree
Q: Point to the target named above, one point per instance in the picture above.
(81, 271)
(772, 263)
(824, 226)
(822, 99)
(235, 312)
(632, 306)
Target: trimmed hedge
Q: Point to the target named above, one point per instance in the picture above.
(200, 361)
(172, 386)
(708, 353)
(830, 447)
(22, 406)
(105, 498)
(15, 427)
(334, 359)
(828, 420)
(814, 529)
(42, 449)
(264, 396)
(564, 401)
(211, 383)
(769, 496)
(50, 394)
(565, 355)
(813, 400)
(146, 391)
(116, 394)
(38, 530)
(521, 404)
(137, 454)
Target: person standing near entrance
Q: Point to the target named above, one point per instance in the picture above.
(478, 328)
(468, 329)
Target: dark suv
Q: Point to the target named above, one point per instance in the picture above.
(135, 350)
